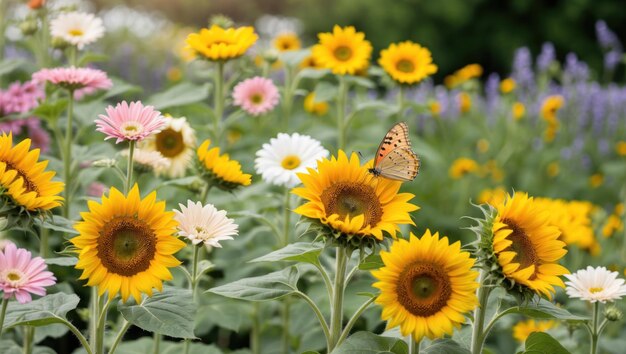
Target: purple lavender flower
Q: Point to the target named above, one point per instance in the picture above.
(611, 59)
(522, 69)
(607, 38)
(546, 57)
(492, 93)
(575, 70)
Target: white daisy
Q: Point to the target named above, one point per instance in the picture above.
(204, 224)
(285, 156)
(77, 28)
(175, 142)
(148, 160)
(595, 284)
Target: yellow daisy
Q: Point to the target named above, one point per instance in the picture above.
(426, 286)
(550, 107)
(527, 246)
(507, 85)
(620, 148)
(175, 142)
(523, 329)
(24, 179)
(317, 108)
(407, 62)
(464, 74)
(344, 196)
(573, 219)
(492, 196)
(435, 108)
(220, 169)
(519, 110)
(287, 41)
(462, 167)
(126, 244)
(311, 63)
(218, 43)
(344, 51)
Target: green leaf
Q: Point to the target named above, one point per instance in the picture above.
(145, 345)
(9, 347)
(310, 73)
(57, 223)
(121, 87)
(10, 65)
(296, 252)
(445, 346)
(91, 57)
(294, 57)
(62, 261)
(182, 94)
(47, 310)
(543, 309)
(325, 91)
(370, 343)
(170, 312)
(360, 81)
(266, 287)
(543, 343)
(373, 261)
(226, 314)
(51, 111)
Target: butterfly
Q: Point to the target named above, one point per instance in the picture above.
(394, 158)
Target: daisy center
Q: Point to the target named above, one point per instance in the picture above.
(423, 289)
(13, 277)
(76, 32)
(131, 128)
(595, 290)
(290, 162)
(522, 246)
(256, 98)
(202, 232)
(126, 246)
(343, 53)
(352, 199)
(170, 143)
(405, 66)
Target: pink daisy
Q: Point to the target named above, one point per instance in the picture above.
(256, 96)
(22, 275)
(130, 122)
(31, 127)
(75, 78)
(20, 98)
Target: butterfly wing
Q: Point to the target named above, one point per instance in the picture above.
(400, 164)
(396, 137)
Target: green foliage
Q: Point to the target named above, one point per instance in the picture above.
(543, 343)
(266, 287)
(369, 343)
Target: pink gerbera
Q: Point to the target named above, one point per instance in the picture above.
(20, 98)
(256, 96)
(22, 275)
(130, 122)
(75, 78)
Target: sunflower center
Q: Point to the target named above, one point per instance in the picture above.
(29, 185)
(405, 66)
(525, 253)
(76, 32)
(343, 53)
(170, 143)
(131, 128)
(290, 162)
(353, 199)
(220, 41)
(595, 290)
(256, 98)
(423, 289)
(126, 246)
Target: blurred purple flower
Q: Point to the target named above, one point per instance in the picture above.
(607, 38)
(575, 70)
(29, 128)
(546, 57)
(20, 97)
(523, 69)
(611, 59)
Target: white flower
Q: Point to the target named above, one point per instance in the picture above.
(77, 28)
(149, 160)
(285, 156)
(204, 224)
(175, 142)
(595, 284)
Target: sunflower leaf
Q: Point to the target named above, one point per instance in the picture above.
(370, 343)
(50, 309)
(325, 91)
(543, 309)
(296, 252)
(265, 287)
(543, 343)
(170, 313)
(445, 346)
(179, 95)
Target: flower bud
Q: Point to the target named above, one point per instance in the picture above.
(59, 43)
(104, 163)
(36, 4)
(29, 27)
(221, 20)
(613, 314)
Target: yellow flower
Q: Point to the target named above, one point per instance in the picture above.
(519, 110)
(550, 107)
(344, 51)
(407, 62)
(343, 196)
(465, 102)
(596, 180)
(492, 196)
(573, 219)
(462, 166)
(175, 142)
(507, 85)
(126, 244)
(612, 225)
(523, 329)
(287, 41)
(620, 148)
(218, 43)
(174, 74)
(492, 168)
(482, 145)
(464, 74)
(311, 63)
(553, 169)
(317, 108)
(220, 169)
(426, 286)
(435, 108)
(24, 179)
(527, 246)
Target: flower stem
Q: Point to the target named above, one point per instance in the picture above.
(478, 335)
(595, 335)
(288, 99)
(414, 345)
(218, 106)
(67, 155)
(119, 336)
(3, 312)
(400, 98)
(72, 56)
(102, 317)
(29, 334)
(129, 170)
(352, 321)
(341, 113)
(156, 349)
(286, 324)
(205, 193)
(286, 218)
(194, 270)
(43, 242)
(94, 309)
(336, 315)
(255, 333)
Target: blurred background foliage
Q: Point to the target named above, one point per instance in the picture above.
(458, 32)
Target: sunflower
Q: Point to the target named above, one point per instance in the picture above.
(462, 167)
(175, 142)
(523, 329)
(313, 107)
(344, 51)
(527, 246)
(427, 285)
(126, 244)
(573, 219)
(218, 43)
(311, 63)
(407, 62)
(219, 169)
(349, 201)
(550, 107)
(464, 74)
(287, 41)
(24, 179)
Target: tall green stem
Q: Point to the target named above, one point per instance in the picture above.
(194, 269)
(3, 312)
(595, 335)
(119, 336)
(72, 56)
(341, 113)
(94, 309)
(286, 217)
(205, 193)
(156, 348)
(67, 155)
(414, 346)
(288, 98)
(400, 99)
(29, 335)
(255, 333)
(129, 170)
(478, 334)
(218, 103)
(287, 299)
(44, 233)
(336, 314)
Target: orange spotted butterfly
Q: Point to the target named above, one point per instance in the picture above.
(394, 158)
